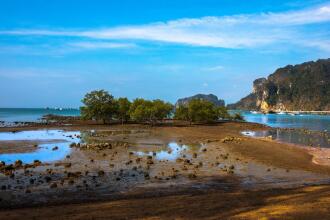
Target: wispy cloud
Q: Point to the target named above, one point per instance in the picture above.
(213, 68)
(99, 45)
(236, 31)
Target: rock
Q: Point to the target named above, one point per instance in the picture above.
(55, 148)
(192, 176)
(48, 179)
(2, 164)
(67, 165)
(290, 88)
(18, 163)
(53, 185)
(36, 162)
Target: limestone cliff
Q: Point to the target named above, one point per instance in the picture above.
(303, 87)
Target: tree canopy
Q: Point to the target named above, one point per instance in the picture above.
(150, 111)
(124, 106)
(102, 106)
(201, 111)
(99, 105)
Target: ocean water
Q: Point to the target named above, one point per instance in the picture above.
(305, 121)
(10, 115)
(319, 125)
(293, 136)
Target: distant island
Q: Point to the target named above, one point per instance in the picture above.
(303, 87)
(210, 97)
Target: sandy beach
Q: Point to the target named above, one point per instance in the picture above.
(199, 171)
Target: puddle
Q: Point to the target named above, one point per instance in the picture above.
(171, 152)
(44, 152)
(293, 136)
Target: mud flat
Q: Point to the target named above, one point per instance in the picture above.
(167, 172)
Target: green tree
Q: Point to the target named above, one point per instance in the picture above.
(223, 113)
(200, 110)
(181, 113)
(140, 110)
(123, 109)
(160, 110)
(99, 105)
(150, 111)
(238, 117)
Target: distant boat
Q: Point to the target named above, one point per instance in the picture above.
(254, 112)
(281, 113)
(293, 114)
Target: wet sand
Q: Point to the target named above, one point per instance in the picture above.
(247, 177)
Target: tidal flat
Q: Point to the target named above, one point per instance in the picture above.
(71, 168)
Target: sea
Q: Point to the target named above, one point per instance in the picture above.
(312, 122)
(12, 115)
(300, 129)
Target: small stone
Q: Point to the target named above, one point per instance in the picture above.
(18, 163)
(101, 173)
(53, 185)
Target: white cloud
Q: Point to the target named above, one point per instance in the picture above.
(213, 68)
(236, 31)
(99, 45)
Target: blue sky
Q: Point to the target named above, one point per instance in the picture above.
(53, 52)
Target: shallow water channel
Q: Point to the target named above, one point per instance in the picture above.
(48, 139)
(44, 151)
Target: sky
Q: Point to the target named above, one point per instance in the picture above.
(53, 52)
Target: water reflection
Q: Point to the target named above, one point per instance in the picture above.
(171, 152)
(293, 136)
(44, 152)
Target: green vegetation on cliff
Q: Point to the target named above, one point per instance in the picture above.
(303, 87)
